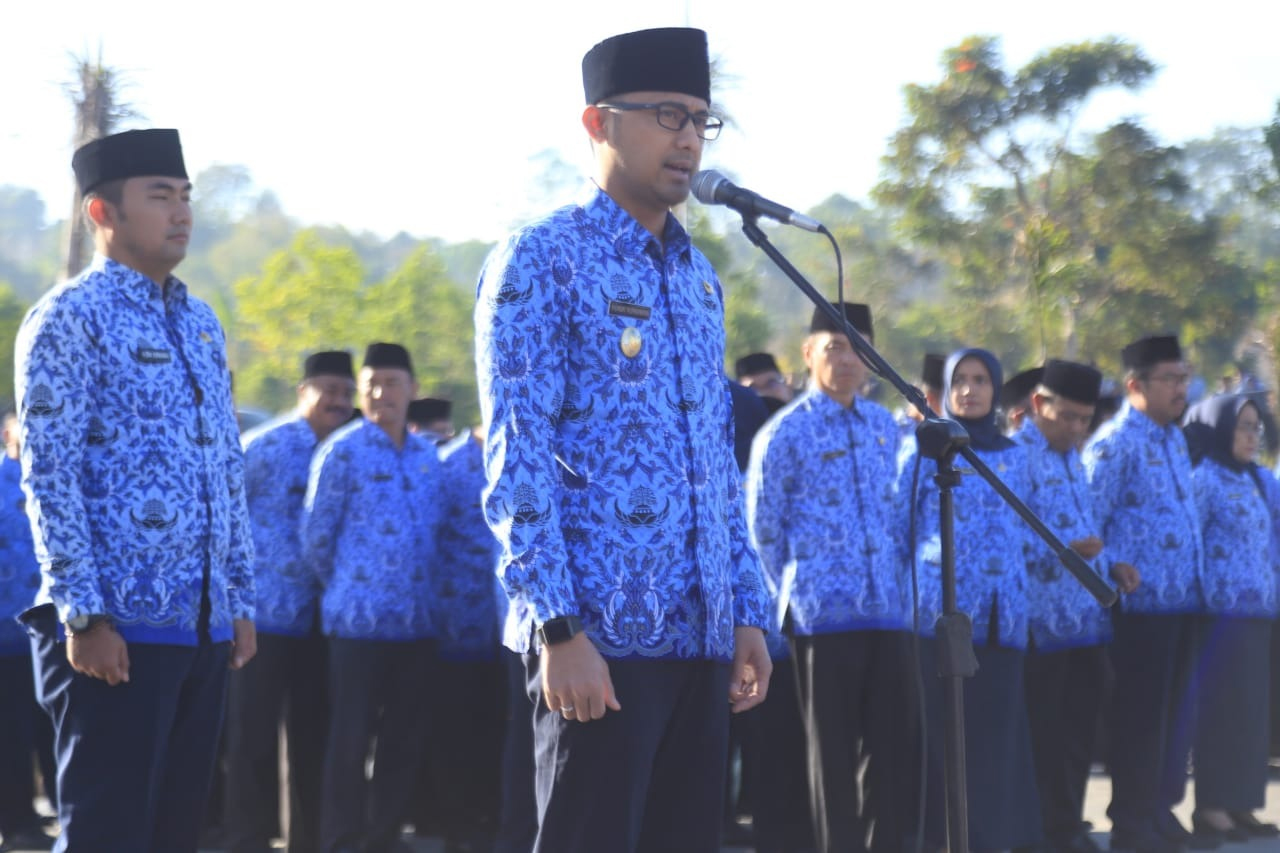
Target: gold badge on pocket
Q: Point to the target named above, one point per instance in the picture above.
(631, 342)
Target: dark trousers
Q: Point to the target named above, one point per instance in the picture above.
(285, 684)
(647, 778)
(20, 716)
(1151, 724)
(1065, 695)
(459, 785)
(135, 761)
(1233, 691)
(774, 771)
(377, 694)
(857, 703)
(518, 824)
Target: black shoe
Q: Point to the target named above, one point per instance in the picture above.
(1147, 842)
(1254, 827)
(1208, 832)
(1170, 828)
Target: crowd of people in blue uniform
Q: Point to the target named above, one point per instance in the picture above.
(545, 632)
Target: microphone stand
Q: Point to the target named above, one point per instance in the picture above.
(943, 439)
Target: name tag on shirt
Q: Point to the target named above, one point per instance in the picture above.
(152, 355)
(629, 309)
(834, 454)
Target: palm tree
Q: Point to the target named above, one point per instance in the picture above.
(95, 94)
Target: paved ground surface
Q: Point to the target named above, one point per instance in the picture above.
(1095, 810)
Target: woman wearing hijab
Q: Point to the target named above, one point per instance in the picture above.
(1004, 810)
(1233, 658)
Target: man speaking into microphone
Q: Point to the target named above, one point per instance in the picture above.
(612, 487)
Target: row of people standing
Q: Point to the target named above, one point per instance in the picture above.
(1040, 639)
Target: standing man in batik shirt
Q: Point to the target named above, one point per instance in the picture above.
(135, 480)
(369, 534)
(287, 681)
(1140, 474)
(821, 511)
(612, 484)
(1066, 668)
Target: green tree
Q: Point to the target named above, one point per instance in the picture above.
(306, 298)
(420, 307)
(12, 310)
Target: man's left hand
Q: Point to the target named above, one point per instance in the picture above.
(244, 642)
(749, 677)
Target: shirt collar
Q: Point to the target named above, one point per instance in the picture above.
(626, 234)
(1029, 433)
(822, 402)
(137, 286)
(1143, 424)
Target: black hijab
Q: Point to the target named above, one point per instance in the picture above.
(984, 433)
(1210, 428)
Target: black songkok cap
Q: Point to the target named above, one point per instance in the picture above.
(429, 409)
(671, 59)
(931, 370)
(1078, 382)
(1020, 385)
(131, 154)
(388, 355)
(756, 362)
(329, 363)
(1144, 353)
(858, 315)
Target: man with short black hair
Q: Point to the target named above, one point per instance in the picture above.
(287, 683)
(1066, 664)
(612, 483)
(759, 371)
(820, 504)
(369, 534)
(1140, 474)
(131, 460)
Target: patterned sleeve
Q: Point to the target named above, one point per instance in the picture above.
(241, 592)
(1105, 463)
(324, 509)
(54, 376)
(770, 482)
(520, 353)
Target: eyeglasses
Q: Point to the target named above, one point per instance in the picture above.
(1245, 428)
(674, 117)
(1171, 378)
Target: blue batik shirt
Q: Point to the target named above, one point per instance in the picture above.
(612, 483)
(1239, 572)
(19, 571)
(991, 544)
(277, 459)
(131, 457)
(820, 506)
(369, 532)
(1140, 474)
(1063, 613)
(467, 592)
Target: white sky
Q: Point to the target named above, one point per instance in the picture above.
(391, 115)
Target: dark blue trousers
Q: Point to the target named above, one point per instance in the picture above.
(19, 719)
(518, 823)
(646, 779)
(1151, 724)
(378, 695)
(287, 682)
(135, 761)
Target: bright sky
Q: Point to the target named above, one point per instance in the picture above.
(426, 117)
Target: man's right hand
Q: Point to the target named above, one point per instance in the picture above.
(575, 680)
(99, 653)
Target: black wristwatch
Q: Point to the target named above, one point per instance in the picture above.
(84, 623)
(561, 629)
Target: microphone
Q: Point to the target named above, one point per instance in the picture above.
(711, 187)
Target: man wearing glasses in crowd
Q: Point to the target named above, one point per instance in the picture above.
(1140, 473)
(637, 600)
